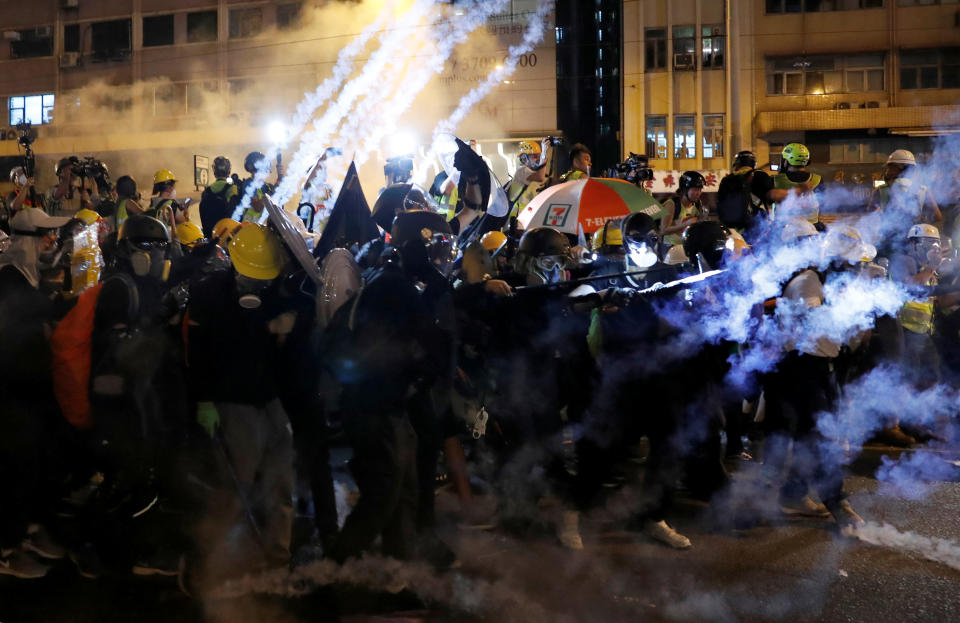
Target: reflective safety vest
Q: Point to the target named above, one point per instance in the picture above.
(571, 175)
(687, 213)
(164, 210)
(519, 195)
(809, 207)
(907, 198)
(917, 315)
(252, 216)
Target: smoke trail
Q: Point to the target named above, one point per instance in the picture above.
(909, 476)
(312, 101)
(370, 80)
(454, 590)
(938, 550)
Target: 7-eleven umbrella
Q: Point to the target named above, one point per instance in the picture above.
(590, 202)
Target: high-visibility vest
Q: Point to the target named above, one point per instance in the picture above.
(572, 174)
(811, 209)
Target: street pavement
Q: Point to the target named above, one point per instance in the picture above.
(768, 570)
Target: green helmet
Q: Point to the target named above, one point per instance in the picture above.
(796, 155)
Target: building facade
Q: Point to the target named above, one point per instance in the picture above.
(852, 79)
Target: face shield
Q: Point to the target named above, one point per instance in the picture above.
(442, 250)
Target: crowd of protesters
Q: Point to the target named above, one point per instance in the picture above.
(166, 385)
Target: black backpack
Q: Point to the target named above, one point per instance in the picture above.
(734, 202)
(213, 207)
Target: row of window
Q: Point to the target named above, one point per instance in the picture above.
(684, 136)
(112, 39)
(685, 57)
(857, 73)
(817, 6)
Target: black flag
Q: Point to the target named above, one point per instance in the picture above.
(350, 221)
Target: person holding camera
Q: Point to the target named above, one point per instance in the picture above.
(73, 191)
(23, 194)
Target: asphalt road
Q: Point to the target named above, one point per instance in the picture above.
(774, 569)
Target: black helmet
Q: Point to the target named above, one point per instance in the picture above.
(221, 167)
(708, 238)
(399, 198)
(250, 162)
(424, 238)
(544, 241)
(139, 228)
(691, 179)
(126, 186)
(640, 240)
(745, 158)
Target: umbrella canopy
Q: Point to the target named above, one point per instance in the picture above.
(589, 202)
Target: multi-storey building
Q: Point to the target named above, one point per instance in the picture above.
(852, 79)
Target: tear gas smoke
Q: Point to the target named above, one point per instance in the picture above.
(909, 477)
(932, 548)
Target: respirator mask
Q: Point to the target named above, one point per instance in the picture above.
(250, 291)
(148, 259)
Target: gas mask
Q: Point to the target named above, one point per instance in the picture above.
(250, 291)
(547, 269)
(148, 259)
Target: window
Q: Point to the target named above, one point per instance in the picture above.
(684, 48)
(924, 2)
(32, 42)
(35, 109)
(656, 136)
(783, 6)
(819, 75)
(246, 22)
(71, 38)
(157, 30)
(288, 15)
(198, 93)
(684, 136)
(930, 69)
(713, 136)
(711, 46)
(201, 26)
(655, 40)
(815, 6)
(111, 40)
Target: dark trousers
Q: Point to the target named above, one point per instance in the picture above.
(384, 466)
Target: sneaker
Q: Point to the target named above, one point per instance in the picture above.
(20, 564)
(660, 531)
(87, 561)
(804, 507)
(847, 519)
(569, 534)
(41, 543)
(161, 563)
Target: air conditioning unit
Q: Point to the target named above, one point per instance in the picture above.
(11, 135)
(69, 4)
(69, 59)
(684, 61)
(43, 32)
(873, 104)
(842, 106)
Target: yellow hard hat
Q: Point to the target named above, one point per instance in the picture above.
(529, 147)
(256, 253)
(164, 175)
(188, 233)
(225, 230)
(493, 241)
(608, 236)
(89, 217)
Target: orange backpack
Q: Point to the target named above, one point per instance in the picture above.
(72, 346)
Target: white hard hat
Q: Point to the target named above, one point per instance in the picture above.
(923, 230)
(901, 156)
(676, 255)
(797, 228)
(845, 241)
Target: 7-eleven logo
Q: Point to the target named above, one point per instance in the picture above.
(557, 214)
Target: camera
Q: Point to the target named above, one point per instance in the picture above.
(26, 134)
(398, 169)
(555, 140)
(90, 167)
(635, 169)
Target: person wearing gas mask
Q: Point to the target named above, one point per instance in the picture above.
(128, 200)
(903, 192)
(23, 194)
(236, 324)
(28, 424)
(803, 385)
(530, 176)
(67, 196)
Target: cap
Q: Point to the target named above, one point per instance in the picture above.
(29, 220)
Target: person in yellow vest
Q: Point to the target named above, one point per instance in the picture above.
(163, 205)
(530, 176)
(902, 191)
(793, 175)
(128, 200)
(580, 162)
(684, 209)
